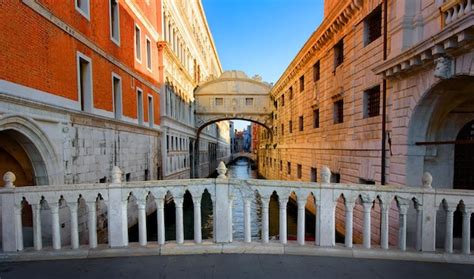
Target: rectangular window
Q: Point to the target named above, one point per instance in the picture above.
(335, 178)
(314, 175)
(302, 83)
(148, 54)
(288, 168)
(83, 7)
(290, 126)
(338, 112)
(366, 181)
(338, 53)
(249, 101)
(114, 21)
(290, 92)
(138, 44)
(301, 123)
(316, 71)
(219, 101)
(298, 171)
(283, 100)
(117, 96)
(282, 129)
(84, 80)
(316, 118)
(373, 26)
(372, 102)
(140, 106)
(281, 165)
(151, 116)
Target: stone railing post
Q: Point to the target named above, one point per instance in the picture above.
(428, 215)
(326, 206)
(12, 236)
(117, 212)
(223, 231)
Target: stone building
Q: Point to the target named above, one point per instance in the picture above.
(378, 105)
(188, 59)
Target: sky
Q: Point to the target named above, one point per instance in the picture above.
(261, 36)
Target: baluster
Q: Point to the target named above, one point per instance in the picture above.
(229, 218)
(92, 224)
(466, 231)
(402, 217)
(468, 6)
(160, 205)
(37, 235)
(214, 213)
(419, 226)
(19, 227)
(179, 220)
(54, 207)
(265, 224)
(197, 219)
(125, 221)
(74, 225)
(142, 237)
(247, 225)
(455, 13)
(348, 223)
(317, 234)
(301, 220)
(367, 204)
(384, 224)
(283, 237)
(448, 240)
(448, 16)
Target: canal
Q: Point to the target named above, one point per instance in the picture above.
(241, 169)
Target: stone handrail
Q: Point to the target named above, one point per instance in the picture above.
(453, 10)
(425, 200)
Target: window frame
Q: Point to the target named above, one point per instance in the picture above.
(111, 23)
(336, 115)
(89, 107)
(84, 11)
(377, 15)
(151, 110)
(149, 54)
(138, 49)
(118, 108)
(338, 51)
(317, 71)
(140, 112)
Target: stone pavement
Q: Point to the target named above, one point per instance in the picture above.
(232, 266)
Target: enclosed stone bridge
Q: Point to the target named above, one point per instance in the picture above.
(233, 96)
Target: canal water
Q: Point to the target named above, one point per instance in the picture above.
(240, 168)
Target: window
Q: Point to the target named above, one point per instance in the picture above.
(219, 101)
(314, 175)
(298, 171)
(339, 112)
(82, 6)
(282, 129)
(335, 178)
(290, 92)
(114, 21)
(288, 168)
(283, 100)
(167, 143)
(316, 71)
(138, 44)
(338, 53)
(301, 123)
(140, 106)
(372, 102)
(316, 118)
(366, 181)
(302, 83)
(249, 101)
(148, 54)
(84, 80)
(373, 26)
(117, 95)
(290, 126)
(281, 165)
(151, 116)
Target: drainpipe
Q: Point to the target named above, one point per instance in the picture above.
(384, 96)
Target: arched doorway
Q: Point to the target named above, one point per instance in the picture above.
(464, 158)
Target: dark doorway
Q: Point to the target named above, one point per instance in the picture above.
(464, 158)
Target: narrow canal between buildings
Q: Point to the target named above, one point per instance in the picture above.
(241, 169)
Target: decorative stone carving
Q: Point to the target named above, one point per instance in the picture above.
(443, 68)
(325, 174)
(116, 175)
(221, 170)
(427, 179)
(8, 179)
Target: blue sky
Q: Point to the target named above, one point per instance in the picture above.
(261, 36)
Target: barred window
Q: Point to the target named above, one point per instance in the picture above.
(298, 171)
(302, 83)
(314, 175)
(249, 101)
(316, 71)
(290, 126)
(301, 123)
(283, 100)
(282, 129)
(373, 26)
(316, 118)
(339, 112)
(338, 53)
(372, 102)
(290, 91)
(288, 168)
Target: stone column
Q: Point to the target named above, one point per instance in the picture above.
(325, 222)
(74, 225)
(247, 225)
(367, 204)
(37, 235)
(142, 237)
(179, 220)
(197, 219)
(222, 211)
(419, 226)
(12, 236)
(348, 223)
(117, 211)
(466, 231)
(230, 221)
(301, 220)
(18, 227)
(265, 221)
(384, 225)
(428, 220)
(92, 223)
(402, 230)
(54, 207)
(448, 239)
(317, 229)
(283, 202)
(160, 215)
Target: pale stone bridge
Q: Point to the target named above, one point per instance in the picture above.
(248, 155)
(427, 201)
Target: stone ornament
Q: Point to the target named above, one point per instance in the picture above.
(426, 180)
(116, 175)
(325, 174)
(443, 67)
(221, 170)
(8, 179)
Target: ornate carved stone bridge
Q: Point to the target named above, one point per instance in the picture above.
(323, 196)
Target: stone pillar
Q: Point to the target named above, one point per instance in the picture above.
(301, 220)
(117, 211)
(54, 207)
(402, 217)
(428, 220)
(92, 223)
(12, 236)
(247, 225)
(179, 220)
(367, 204)
(348, 223)
(384, 225)
(223, 209)
(466, 231)
(419, 226)
(37, 235)
(197, 219)
(283, 202)
(325, 222)
(230, 222)
(448, 239)
(74, 225)
(160, 215)
(142, 237)
(265, 221)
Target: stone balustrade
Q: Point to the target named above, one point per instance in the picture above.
(425, 201)
(453, 10)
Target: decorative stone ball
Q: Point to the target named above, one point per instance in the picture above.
(427, 179)
(8, 179)
(325, 174)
